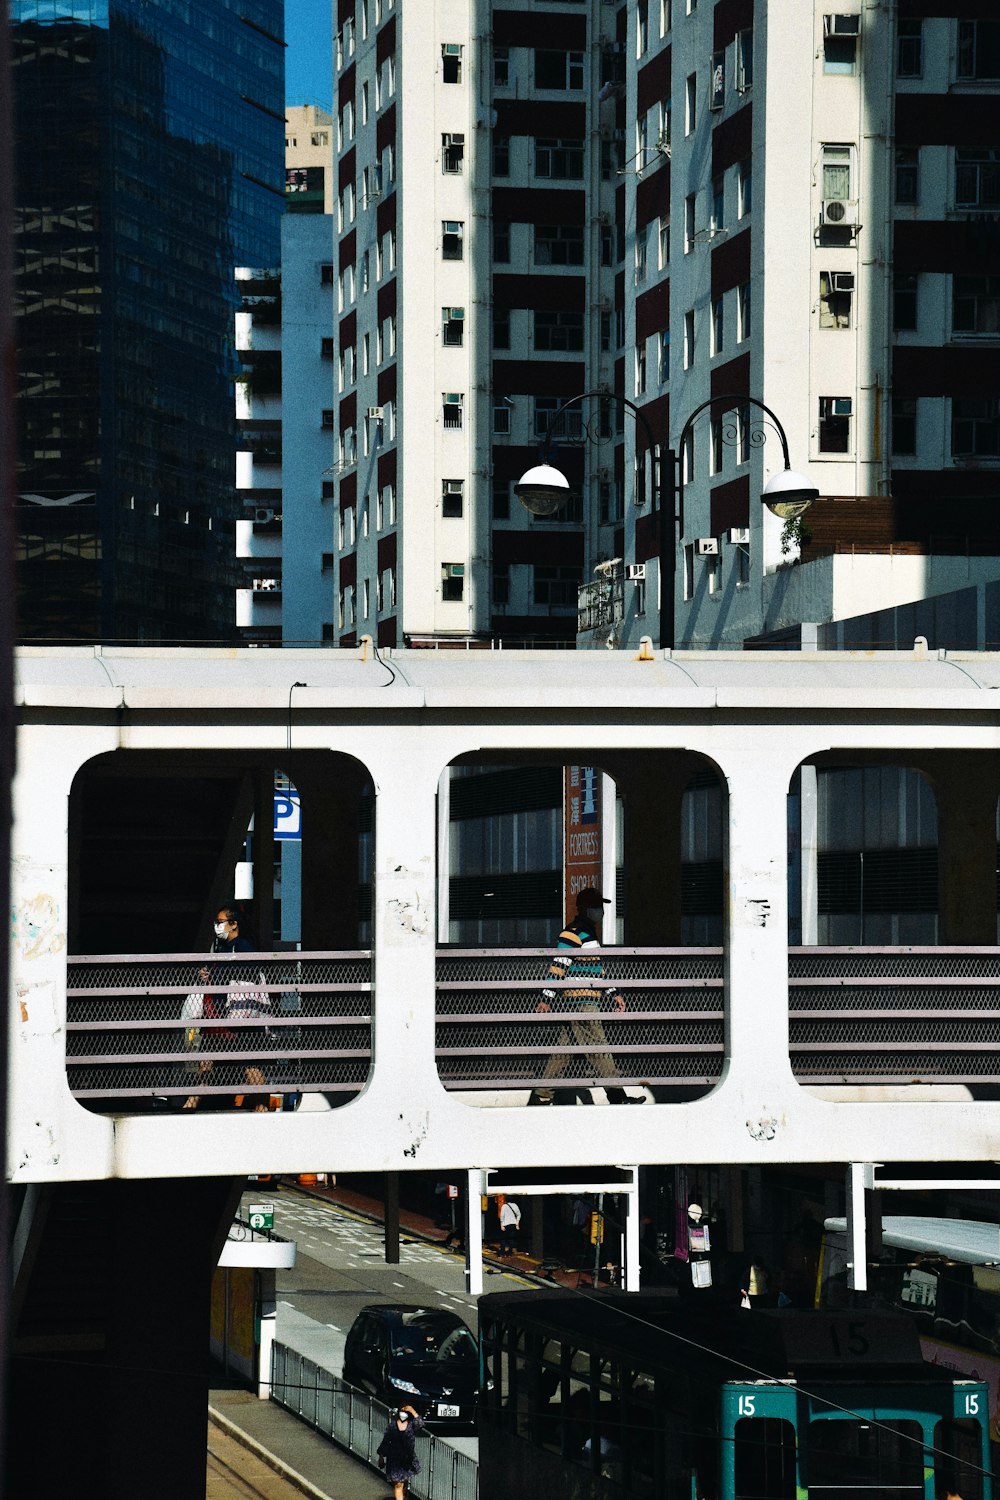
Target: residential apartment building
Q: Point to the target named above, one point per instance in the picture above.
(670, 203)
(149, 157)
(285, 343)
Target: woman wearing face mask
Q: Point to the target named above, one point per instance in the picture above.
(229, 941)
(582, 1026)
(397, 1450)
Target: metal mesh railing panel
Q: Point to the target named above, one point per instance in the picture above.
(133, 1033)
(489, 1032)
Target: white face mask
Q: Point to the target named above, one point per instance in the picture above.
(595, 913)
(220, 929)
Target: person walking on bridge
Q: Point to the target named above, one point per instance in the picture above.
(582, 1026)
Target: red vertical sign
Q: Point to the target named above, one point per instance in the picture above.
(582, 857)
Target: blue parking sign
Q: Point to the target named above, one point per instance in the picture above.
(287, 816)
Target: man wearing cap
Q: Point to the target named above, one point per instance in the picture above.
(582, 1026)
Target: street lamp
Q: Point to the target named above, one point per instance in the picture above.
(544, 490)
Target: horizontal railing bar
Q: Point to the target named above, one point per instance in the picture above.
(220, 1023)
(108, 991)
(894, 981)
(895, 1047)
(177, 1059)
(645, 1049)
(578, 982)
(865, 1080)
(892, 1015)
(205, 1091)
(510, 1084)
(264, 956)
(548, 1016)
(916, 950)
(446, 954)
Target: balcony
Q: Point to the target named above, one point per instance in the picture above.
(601, 604)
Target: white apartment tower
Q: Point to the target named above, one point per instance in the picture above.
(789, 203)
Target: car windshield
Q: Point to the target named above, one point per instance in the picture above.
(432, 1339)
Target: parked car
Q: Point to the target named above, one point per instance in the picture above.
(401, 1352)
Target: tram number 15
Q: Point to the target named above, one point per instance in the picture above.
(747, 1405)
(971, 1404)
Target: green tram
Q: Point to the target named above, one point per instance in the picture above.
(602, 1396)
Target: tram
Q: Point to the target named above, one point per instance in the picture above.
(608, 1395)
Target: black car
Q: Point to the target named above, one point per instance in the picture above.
(421, 1355)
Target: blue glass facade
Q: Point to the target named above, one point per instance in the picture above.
(150, 164)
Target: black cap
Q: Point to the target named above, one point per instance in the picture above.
(590, 896)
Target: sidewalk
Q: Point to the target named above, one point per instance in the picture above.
(309, 1462)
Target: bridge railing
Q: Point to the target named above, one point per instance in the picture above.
(857, 1016)
(142, 1027)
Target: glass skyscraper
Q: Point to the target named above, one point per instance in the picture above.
(149, 165)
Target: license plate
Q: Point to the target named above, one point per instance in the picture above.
(447, 1411)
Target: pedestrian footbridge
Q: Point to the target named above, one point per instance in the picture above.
(139, 772)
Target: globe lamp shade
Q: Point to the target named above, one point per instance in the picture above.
(788, 494)
(542, 490)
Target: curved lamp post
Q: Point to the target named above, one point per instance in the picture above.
(544, 490)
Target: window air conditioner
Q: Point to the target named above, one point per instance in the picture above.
(375, 413)
(842, 281)
(452, 226)
(452, 398)
(456, 314)
(842, 25)
(454, 140)
(739, 536)
(707, 546)
(839, 213)
(263, 515)
(635, 572)
(452, 49)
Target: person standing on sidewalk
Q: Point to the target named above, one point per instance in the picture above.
(510, 1224)
(582, 1027)
(397, 1453)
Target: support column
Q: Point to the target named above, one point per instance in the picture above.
(966, 787)
(631, 1269)
(809, 846)
(756, 940)
(474, 1187)
(391, 1207)
(860, 1176)
(652, 788)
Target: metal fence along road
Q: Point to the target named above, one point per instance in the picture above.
(357, 1422)
(295, 1023)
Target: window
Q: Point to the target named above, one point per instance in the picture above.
(452, 582)
(320, 138)
(640, 369)
(604, 332)
(718, 220)
(366, 353)
(501, 67)
(364, 103)
(835, 169)
(907, 166)
(451, 409)
(663, 355)
(452, 236)
(501, 500)
(556, 587)
(609, 495)
(607, 245)
(744, 60)
(501, 156)
(687, 456)
(743, 435)
(840, 43)
(326, 276)
(452, 154)
(640, 257)
(976, 305)
(691, 104)
(666, 17)
(663, 244)
(326, 348)
(327, 489)
(559, 331)
(501, 242)
(663, 137)
(641, 27)
(327, 417)
(718, 325)
(558, 158)
(451, 62)
(347, 446)
(453, 326)
(558, 245)
(975, 427)
(612, 157)
(558, 70)
(365, 599)
(978, 49)
(744, 188)
(452, 496)
(717, 86)
(690, 203)
(835, 424)
(500, 586)
(348, 366)
(904, 427)
(501, 327)
(977, 177)
(365, 271)
(836, 295)
(689, 339)
(909, 47)
(570, 424)
(904, 303)
(501, 419)
(641, 142)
